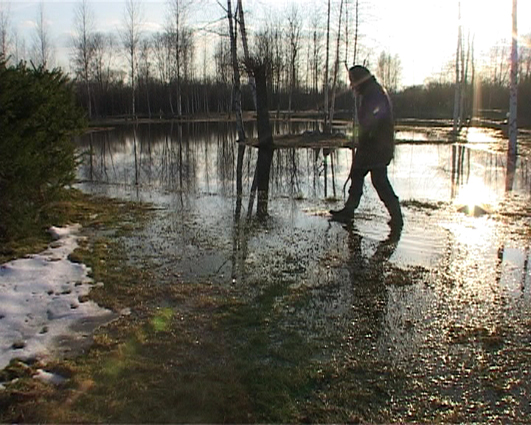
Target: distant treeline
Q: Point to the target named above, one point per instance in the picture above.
(486, 100)
(432, 101)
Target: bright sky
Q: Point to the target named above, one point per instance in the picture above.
(422, 32)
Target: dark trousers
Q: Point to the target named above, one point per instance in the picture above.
(382, 185)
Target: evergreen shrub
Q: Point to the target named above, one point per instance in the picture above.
(38, 118)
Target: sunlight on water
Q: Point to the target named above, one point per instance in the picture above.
(414, 136)
(475, 198)
(482, 135)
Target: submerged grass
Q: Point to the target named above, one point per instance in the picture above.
(162, 362)
(194, 353)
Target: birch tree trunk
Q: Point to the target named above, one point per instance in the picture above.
(513, 124)
(336, 67)
(4, 31)
(457, 95)
(131, 39)
(237, 93)
(325, 83)
(245, 44)
(356, 33)
(176, 31)
(237, 96)
(83, 47)
(43, 50)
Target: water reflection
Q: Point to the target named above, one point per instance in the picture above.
(194, 168)
(195, 158)
(443, 301)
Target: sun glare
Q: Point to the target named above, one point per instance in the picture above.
(474, 198)
(481, 135)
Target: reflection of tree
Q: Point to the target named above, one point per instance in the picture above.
(458, 166)
(511, 171)
(265, 137)
(187, 157)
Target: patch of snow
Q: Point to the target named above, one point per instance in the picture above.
(42, 297)
(48, 377)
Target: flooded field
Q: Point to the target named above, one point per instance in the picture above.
(429, 324)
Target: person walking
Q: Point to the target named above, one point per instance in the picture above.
(375, 149)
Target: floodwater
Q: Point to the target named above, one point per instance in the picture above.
(442, 310)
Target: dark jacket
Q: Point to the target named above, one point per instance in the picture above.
(377, 133)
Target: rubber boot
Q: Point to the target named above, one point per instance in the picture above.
(347, 212)
(397, 220)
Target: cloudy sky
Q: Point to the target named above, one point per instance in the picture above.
(422, 32)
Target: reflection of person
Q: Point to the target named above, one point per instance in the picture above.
(375, 149)
(369, 290)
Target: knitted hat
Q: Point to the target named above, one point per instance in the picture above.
(359, 74)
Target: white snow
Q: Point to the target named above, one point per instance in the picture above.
(40, 301)
(48, 377)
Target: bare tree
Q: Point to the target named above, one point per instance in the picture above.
(463, 60)
(19, 47)
(223, 62)
(42, 45)
(246, 53)
(104, 58)
(236, 85)
(316, 56)
(336, 65)
(524, 59)
(188, 53)
(388, 71)
(513, 102)
(4, 30)
(294, 45)
(458, 75)
(326, 77)
(467, 67)
(144, 69)
(162, 50)
(271, 51)
(83, 47)
(356, 32)
(132, 27)
(499, 68)
(177, 31)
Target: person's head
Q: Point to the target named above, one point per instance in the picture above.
(358, 75)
